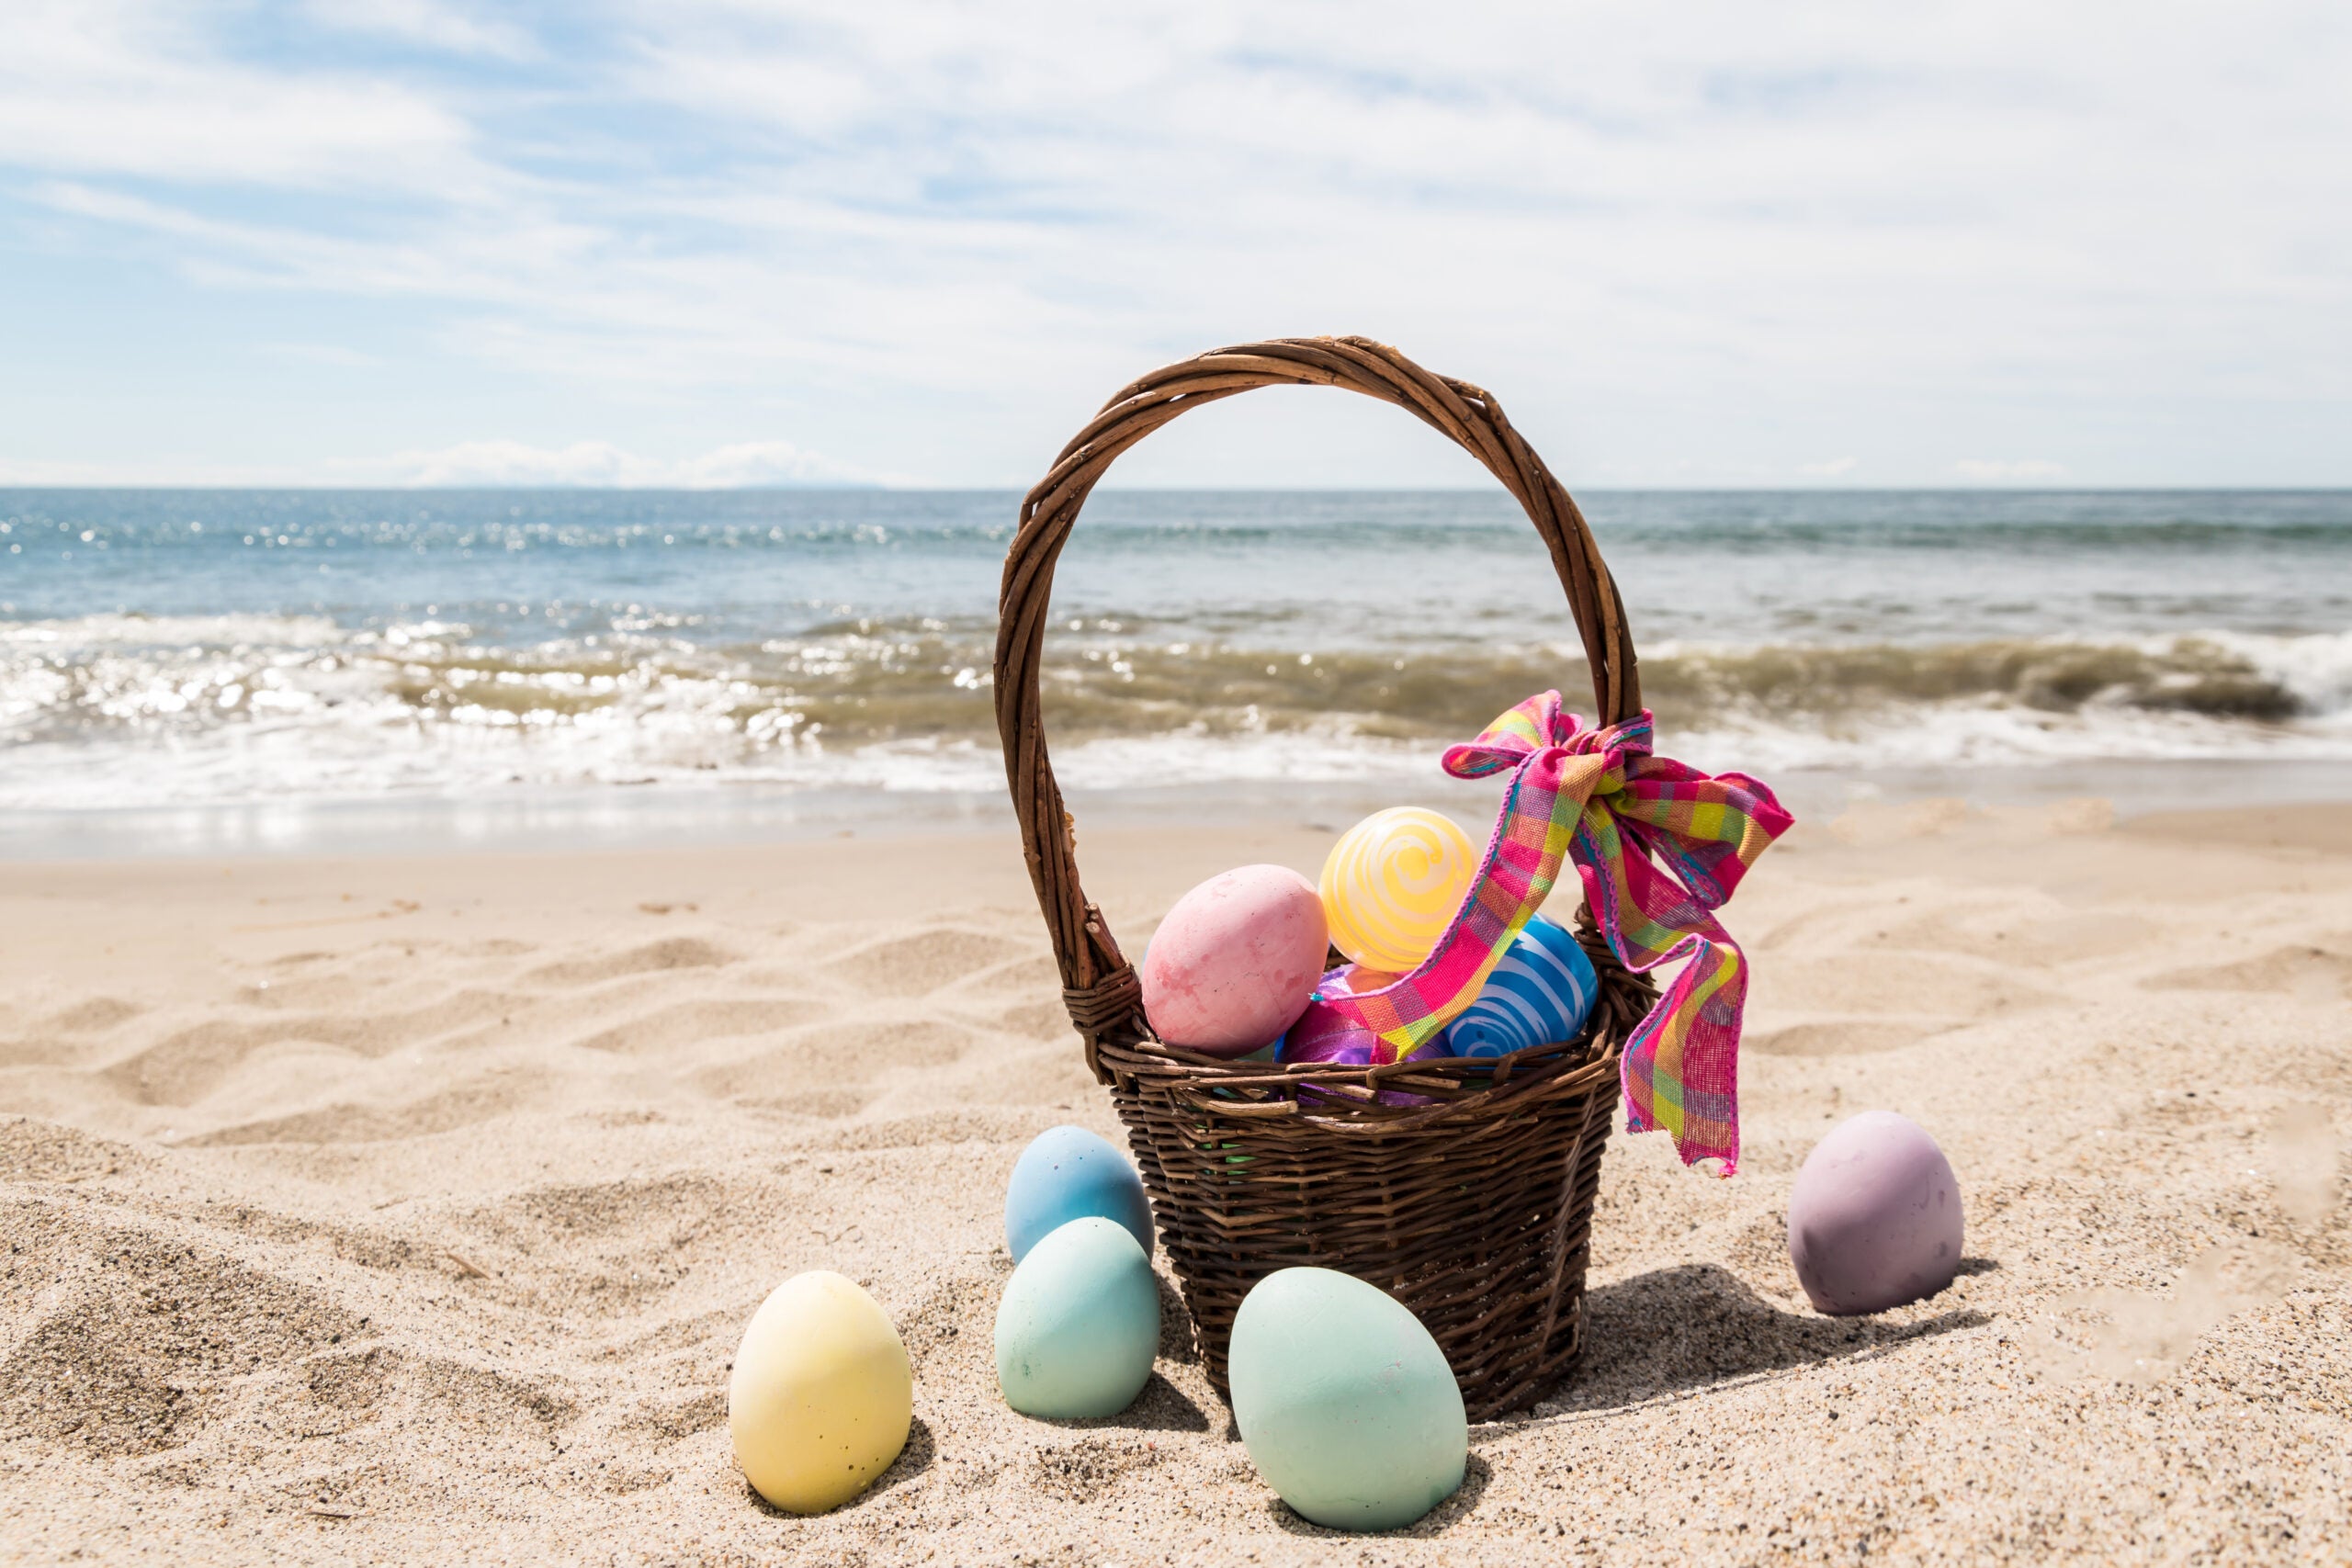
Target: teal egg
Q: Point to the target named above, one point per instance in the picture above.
(1065, 1173)
(1345, 1402)
(1079, 1323)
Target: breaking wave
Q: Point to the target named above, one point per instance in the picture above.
(126, 710)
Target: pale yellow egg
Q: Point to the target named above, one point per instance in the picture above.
(821, 1397)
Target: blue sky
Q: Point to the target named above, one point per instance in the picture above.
(713, 242)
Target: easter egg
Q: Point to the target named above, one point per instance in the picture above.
(1345, 1402)
(822, 1396)
(1079, 1325)
(1233, 962)
(1325, 1037)
(1874, 1216)
(1325, 1034)
(1321, 1034)
(1067, 1173)
(1392, 882)
(1540, 992)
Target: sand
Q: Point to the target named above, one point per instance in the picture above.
(409, 1210)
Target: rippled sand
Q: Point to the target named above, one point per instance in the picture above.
(409, 1210)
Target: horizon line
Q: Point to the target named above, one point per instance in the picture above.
(1980, 489)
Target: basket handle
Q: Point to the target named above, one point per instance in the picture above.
(1099, 987)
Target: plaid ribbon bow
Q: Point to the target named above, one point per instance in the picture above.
(1589, 794)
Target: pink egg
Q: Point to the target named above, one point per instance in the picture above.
(1233, 964)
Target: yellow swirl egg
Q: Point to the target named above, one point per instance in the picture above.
(1392, 882)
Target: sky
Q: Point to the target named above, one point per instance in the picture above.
(745, 241)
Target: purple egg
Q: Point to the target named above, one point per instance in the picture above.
(1322, 1035)
(1874, 1216)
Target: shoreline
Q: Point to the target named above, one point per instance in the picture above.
(673, 817)
(561, 667)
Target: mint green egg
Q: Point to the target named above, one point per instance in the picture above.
(1080, 1323)
(1345, 1402)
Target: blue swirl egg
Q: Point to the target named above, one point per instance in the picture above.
(1543, 991)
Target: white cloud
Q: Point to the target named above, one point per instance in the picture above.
(2007, 470)
(42, 473)
(489, 465)
(334, 355)
(122, 87)
(767, 462)
(1739, 232)
(600, 463)
(39, 473)
(427, 23)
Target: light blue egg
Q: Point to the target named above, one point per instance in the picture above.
(1079, 1323)
(1345, 1402)
(1064, 1174)
(1542, 991)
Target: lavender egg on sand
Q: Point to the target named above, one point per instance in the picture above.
(1874, 1219)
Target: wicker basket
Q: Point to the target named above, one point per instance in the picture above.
(1471, 1201)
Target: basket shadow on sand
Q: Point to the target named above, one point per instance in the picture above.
(1677, 1330)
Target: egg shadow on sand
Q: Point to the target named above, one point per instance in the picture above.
(912, 1460)
(1458, 1506)
(1161, 1407)
(1692, 1327)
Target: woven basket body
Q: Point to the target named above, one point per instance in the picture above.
(1462, 1189)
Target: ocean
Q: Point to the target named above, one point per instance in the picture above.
(239, 669)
